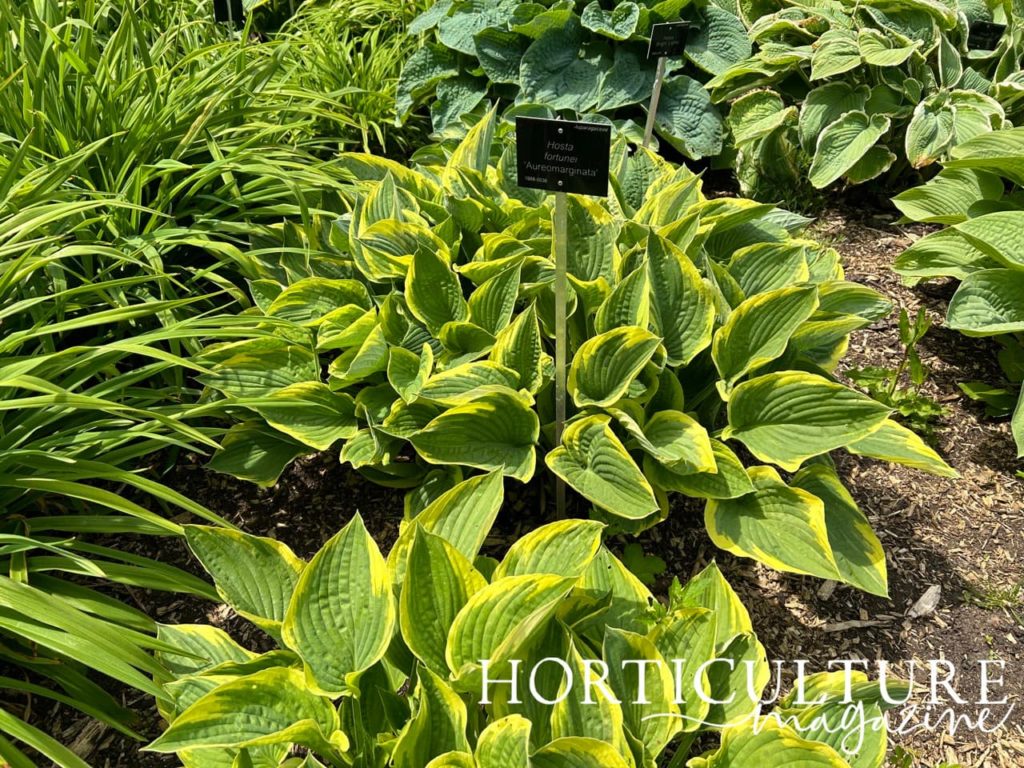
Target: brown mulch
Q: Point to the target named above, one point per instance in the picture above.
(964, 535)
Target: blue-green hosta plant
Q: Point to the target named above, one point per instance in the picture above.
(977, 196)
(702, 334)
(844, 92)
(572, 57)
(397, 661)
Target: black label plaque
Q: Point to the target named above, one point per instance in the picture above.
(563, 156)
(985, 35)
(668, 39)
(229, 12)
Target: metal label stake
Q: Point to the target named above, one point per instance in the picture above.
(560, 233)
(668, 39)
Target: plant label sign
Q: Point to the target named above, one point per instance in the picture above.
(563, 156)
(668, 39)
(985, 35)
(229, 12)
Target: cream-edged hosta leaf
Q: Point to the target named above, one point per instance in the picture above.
(786, 418)
(201, 647)
(709, 590)
(593, 461)
(309, 412)
(826, 104)
(433, 292)
(408, 372)
(835, 52)
(771, 746)
(676, 440)
(518, 347)
(592, 252)
(855, 547)
(563, 548)
(505, 743)
(881, 50)
(496, 431)
(256, 367)
(727, 480)
(437, 725)
(309, 300)
(462, 515)
(759, 329)
(272, 706)
(930, 132)
(843, 143)
(988, 303)
(253, 451)
(777, 525)
(253, 574)
(605, 365)
(635, 666)
(463, 383)
(341, 617)
(439, 581)
(682, 307)
(577, 752)
(631, 601)
(737, 680)
(687, 637)
(498, 620)
(894, 442)
(492, 303)
(765, 267)
(629, 303)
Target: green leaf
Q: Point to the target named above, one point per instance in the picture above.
(842, 145)
(497, 431)
(988, 302)
(464, 383)
(594, 463)
(577, 752)
(894, 442)
(437, 726)
(491, 304)
(605, 366)
(408, 372)
(556, 72)
(998, 236)
(682, 307)
(518, 348)
(786, 418)
(341, 617)
(687, 119)
(773, 746)
(308, 301)
(500, 53)
(505, 743)
(709, 590)
(427, 66)
(676, 440)
(433, 292)
(310, 413)
(824, 105)
(563, 548)
(728, 481)
(718, 41)
(930, 132)
(253, 451)
(881, 50)
(618, 24)
(836, 52)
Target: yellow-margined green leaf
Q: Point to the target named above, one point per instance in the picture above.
(437, 726)
(629, 303)
(492, 303)
(771, 746)
(505, 743)
(463, 383)
(737, 679)
(687, 636)
(577, 752)
(358, 363)
(858, 552)
(345, 327)
(592, 231)
(438, 583)
(682, 307)
(836, 52)
(433, 292)
(453, 760)
(309, 300)
(759, 329)
(895, 443)
(518, 347)
(388, 247)
(408, 372)
(769, 266)
(201, 646)
(675, 439)
(563, 548)
(786, 418)
(880, 50)
(605, 365)
(342, 614)
(253, 451)
(498, 430)
(256, 367)
(631, 601)
(728, 479)
(931, 131)
(709, 589)
(593, 461)
(777, 525)
(498, 620)
(309, 412)
(988, 303)
(254, 575)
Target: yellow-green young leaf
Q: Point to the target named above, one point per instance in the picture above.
(505, 743)
(629, 303)
(593, 232)
(273, 706)
(257, 367)
(433, 292)
(777, 525)
(842, 145)
(670, 203)
(345, 327)
(686, 639)
(759, 329)
(586, 706)
(498, 620)
(563, 548)
(518, 348)
(342, 615)
(769, 745)
(492, 303)
(308, 301)
(830, 723)
(474, 151)
(857, 550)
(359, 363)
(464, 383)
(631, 601)
(988, 303)
(682, 306)
(677, 441)
(642, 680)
(737, 679)
(253, 451)
(709, 590)
(453, 760)
(462, 515)
(786, 418)
(605, 365)
(895, 443)
(408, 372)
(729, 480)
(309, 412)
(769, 266)
(201, 647)
(438, 583)
(437, 726)
(465, 341)
(593, 461)
(577, 752)
(254, 575)
(497, 431)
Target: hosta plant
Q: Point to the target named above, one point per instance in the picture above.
(572, 57)
(978, 196)
(702, 334)
(398, 661)
(846, 92)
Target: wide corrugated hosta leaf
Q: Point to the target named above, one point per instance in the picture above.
(772, 746)
(729, 479)
(988, 302)
(577, 752)
(930, 132)
(999, 236)
(556, 72)
(618, 24)
(894, 442)
(605, 365)
(835, 52)
(948, 198)
(842, 145)
(437, 725)
(433, 291)
(505, 743)
(309, 412)
(687, 119)
(718, 41)
(563, 548)
(253, 451)
(786, 418)
(682, 307)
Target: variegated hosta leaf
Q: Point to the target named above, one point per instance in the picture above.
(253, 451)
(308, 412)
(433, 291)
(843, 144)
(437, 725)
(604, 366)
(342, 614)
(408, 372)
(676, 440)
(826, 104)
(788, 417)
(682, 307)
(505, 743)
(593, 461)
(894, 442)
(930, 132)
(564, 548)
(709, 590)
(518, 347)
(773, 746)
(687, 636)
(729, 479)
(577, 752)
(988, 302)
